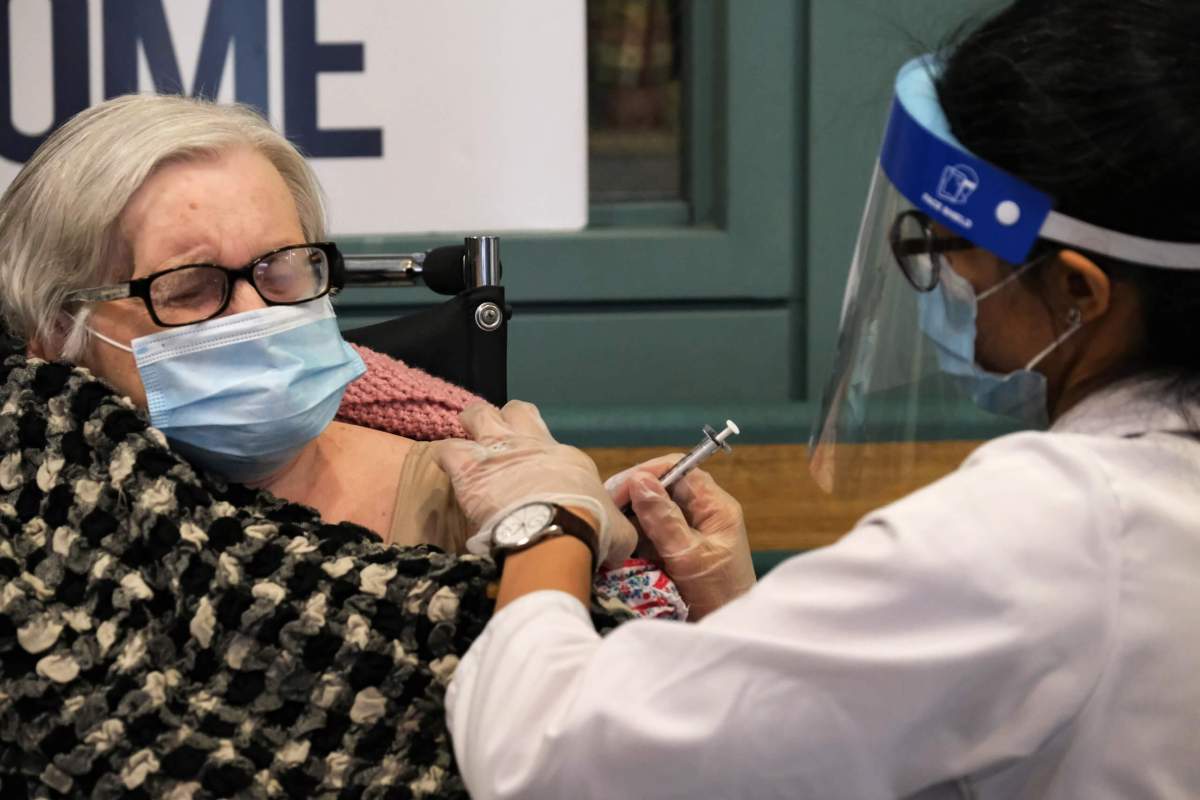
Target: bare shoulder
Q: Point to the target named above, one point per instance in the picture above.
(388, 483)
(366, 453)
(362, 471)
(357, 437)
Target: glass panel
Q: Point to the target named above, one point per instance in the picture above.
(634, 116)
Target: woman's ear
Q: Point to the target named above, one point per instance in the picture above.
(1081, 284)
(47, 345)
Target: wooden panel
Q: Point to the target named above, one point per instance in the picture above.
(785, 510)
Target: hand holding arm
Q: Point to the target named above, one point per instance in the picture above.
(514, 460)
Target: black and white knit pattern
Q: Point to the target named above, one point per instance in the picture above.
(163, 635)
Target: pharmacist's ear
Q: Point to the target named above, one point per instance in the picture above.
(1077, 282)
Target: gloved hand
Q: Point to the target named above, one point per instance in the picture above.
(700, 536)
(514, 460)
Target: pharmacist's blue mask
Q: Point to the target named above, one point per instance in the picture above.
(947, 316)
(242, 395)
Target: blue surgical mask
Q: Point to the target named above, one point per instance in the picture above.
(242, 395)
(947, 316)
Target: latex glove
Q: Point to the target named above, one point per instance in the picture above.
(513, 460)
(700, 535)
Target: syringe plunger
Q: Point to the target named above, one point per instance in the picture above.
(713, 441)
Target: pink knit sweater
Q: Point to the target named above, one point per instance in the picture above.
(394, 397)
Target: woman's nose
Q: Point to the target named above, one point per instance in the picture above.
(245, 298)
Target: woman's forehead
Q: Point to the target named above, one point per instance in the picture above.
(226, 209)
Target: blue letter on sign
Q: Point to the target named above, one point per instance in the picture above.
(303, 60)
(242, 23)
(69, 21)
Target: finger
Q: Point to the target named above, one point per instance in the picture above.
(662, 521)
(483, 421)
(622, 540)
(456, 456)
(615, 483)
(618, 485)
(702, 499)
(696, 483)
(525, 419)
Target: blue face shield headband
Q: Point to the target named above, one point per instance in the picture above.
(982, 203)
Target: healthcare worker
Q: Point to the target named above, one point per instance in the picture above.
(1029, 626)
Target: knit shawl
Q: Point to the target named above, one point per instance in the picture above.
(165, 635)
(394, 397)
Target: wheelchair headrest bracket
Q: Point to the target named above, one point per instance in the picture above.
(481, 265)
(445, 270)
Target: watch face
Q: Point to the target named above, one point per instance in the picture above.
(516, 528)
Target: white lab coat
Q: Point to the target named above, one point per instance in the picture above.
(1028, 626)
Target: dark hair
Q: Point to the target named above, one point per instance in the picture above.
(1097, 103)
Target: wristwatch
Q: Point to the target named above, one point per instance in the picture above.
(531, 523)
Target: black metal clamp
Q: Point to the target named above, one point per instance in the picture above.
(465, 339)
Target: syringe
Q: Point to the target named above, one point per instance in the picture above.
(712, 442)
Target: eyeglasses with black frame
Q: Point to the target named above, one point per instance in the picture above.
(192, 293)
(919, 251)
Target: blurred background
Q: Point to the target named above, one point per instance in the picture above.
(730, 149)
(677, 183)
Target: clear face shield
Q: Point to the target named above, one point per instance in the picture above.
(905, 371)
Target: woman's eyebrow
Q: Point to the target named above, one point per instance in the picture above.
(195, 256)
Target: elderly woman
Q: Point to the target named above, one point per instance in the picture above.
(176, 249)
(192, 601)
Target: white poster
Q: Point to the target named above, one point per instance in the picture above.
(419, 116)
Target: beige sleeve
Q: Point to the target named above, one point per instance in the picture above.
(426, 511)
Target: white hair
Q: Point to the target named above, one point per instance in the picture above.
(59, 217)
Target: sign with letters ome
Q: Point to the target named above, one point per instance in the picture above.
(418, 116)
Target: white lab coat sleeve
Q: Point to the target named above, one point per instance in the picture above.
(947, 634)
